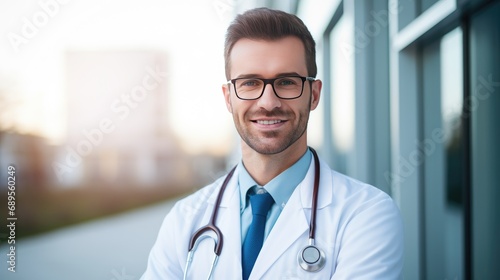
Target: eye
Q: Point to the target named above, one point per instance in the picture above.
(287, 81)
(249, 83)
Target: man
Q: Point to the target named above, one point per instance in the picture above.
(271, 89)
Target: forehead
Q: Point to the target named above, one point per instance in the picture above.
(268, 58)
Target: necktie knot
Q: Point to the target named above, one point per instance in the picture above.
(261, 203)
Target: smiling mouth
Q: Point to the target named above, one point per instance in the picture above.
(267, 122)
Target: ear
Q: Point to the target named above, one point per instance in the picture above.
(316, 93)
(226, 90)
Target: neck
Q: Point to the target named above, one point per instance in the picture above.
(263, 168)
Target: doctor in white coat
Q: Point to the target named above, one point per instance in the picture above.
(270, 67)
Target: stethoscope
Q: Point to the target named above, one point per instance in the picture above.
(311, 258)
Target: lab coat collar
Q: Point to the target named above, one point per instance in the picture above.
(325, 192)
(305, 187)
(231, 189)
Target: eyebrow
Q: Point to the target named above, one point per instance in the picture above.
(260, 76)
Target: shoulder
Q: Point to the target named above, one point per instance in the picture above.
(353, 193)
(360, 206)
(206, 196)
(198, 200)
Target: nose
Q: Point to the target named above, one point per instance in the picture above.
(269, 100)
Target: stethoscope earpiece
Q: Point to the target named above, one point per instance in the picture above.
(311, 258)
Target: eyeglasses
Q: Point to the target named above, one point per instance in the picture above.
(286, 87)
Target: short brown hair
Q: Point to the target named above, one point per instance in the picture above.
(267, 24)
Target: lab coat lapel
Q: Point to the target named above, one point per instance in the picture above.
(294, 220)
(291, 224)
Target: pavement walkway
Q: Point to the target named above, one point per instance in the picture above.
(113, 248)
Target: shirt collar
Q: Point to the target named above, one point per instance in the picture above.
(280, 187)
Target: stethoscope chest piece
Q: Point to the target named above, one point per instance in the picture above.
(311, 258)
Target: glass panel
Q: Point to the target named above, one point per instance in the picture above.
(408, 10)
(484, 107)
(451, 112)
(426, 4)
(342, 91)
(442, 152)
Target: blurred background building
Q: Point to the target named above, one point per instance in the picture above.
(118, 130)
(117, 120)
(108, 106)
(410, 105)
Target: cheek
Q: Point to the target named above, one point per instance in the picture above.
(239, 108)
(303, 108)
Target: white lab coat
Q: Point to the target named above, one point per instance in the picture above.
(358, 227)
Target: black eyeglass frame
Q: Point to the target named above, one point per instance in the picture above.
(271, 82)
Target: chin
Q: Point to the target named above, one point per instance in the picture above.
(268, 149)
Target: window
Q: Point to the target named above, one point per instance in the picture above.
(483, 106)
(342, 92)
(442, 147)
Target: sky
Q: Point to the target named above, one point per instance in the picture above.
(35, 35)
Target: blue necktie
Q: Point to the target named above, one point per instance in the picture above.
(261, 203)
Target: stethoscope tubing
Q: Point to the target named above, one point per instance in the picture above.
(312, 223)
(211, 224)
(219, 238)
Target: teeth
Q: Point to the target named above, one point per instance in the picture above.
(269, 122)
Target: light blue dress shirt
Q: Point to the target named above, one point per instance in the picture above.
(280, 188)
